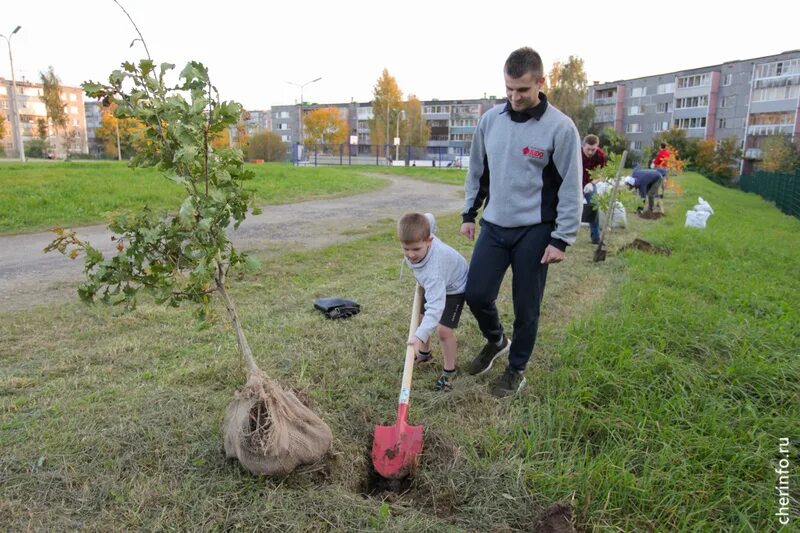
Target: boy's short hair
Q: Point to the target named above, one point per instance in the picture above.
(663, 146)
(591, 140)
(413, 227)
(524, 60)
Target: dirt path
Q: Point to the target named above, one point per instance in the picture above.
(29, 278)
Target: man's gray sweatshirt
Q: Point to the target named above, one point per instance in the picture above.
(441, 272)
(527, 167)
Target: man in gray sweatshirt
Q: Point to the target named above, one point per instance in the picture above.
(525, 169)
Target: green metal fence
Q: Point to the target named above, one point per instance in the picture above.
(783, 189)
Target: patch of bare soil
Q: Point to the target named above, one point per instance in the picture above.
(558, 518)
(644, 246)
(31, 278)
(650, 215)
(436, 451)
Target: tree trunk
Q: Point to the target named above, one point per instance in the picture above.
(244, 347)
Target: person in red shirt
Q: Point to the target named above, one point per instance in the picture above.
(593, 157)
(660, 162)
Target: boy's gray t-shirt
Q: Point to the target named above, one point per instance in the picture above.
(443, 271)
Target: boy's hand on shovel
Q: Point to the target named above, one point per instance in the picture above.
(416, 343)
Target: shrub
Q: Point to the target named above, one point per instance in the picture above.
(268, 146)
(36, 148)
(780, 155)
(718, 161)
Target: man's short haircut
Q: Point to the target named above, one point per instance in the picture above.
(663, 146)
(524, 60)
(591, 140)
(413, 227)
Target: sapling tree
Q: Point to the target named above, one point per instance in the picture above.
(186, 256)
(606, 175)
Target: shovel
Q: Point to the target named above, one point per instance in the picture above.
(600, 253)
(396, 449)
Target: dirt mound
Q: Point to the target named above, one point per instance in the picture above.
(558, 518)
(649, 215)
(644, 246)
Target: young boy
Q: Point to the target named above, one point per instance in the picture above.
(442, 273)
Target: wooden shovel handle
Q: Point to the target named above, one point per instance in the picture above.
(408, 367)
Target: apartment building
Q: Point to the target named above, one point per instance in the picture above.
(31, 108)
(94, 114)
(746, 99)
(452, 123)
(286, 118)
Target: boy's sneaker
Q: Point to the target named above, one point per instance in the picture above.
(511, 382)
(491, 351)
(445, 381)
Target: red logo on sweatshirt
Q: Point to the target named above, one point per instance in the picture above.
(533, 152)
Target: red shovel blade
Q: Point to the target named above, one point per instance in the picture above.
(396, 449)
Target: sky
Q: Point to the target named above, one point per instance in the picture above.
(441, 49)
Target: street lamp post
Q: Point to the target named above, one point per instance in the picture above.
(386, 149)
(300, 130)
(14, 111)
(400, 114)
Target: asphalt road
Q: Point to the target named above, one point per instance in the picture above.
(29, 277)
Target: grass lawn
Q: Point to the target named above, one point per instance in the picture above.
(38, 196)
(658, 392)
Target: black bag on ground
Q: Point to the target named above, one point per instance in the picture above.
(337, 307)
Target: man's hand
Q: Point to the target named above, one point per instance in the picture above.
(468, 229)
(552, 255)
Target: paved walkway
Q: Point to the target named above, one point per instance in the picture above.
(28, 277)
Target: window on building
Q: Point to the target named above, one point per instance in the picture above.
(663, 107)
(787, 92)
(636, 110)
(604, 116)
(430, 109)
(666, 88)
(636, 145)
(697, 80)
(73, 97)
(690, 123)
(285, 138)
(723, 124)
(779, 118)
(283, 126)
(634, 127)
(661, 126)
(728, 101)
(780, 122)
(638, 92)
(692, 101)
(728, 80)
(778, 68)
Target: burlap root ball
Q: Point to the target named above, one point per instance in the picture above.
(269, 431)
